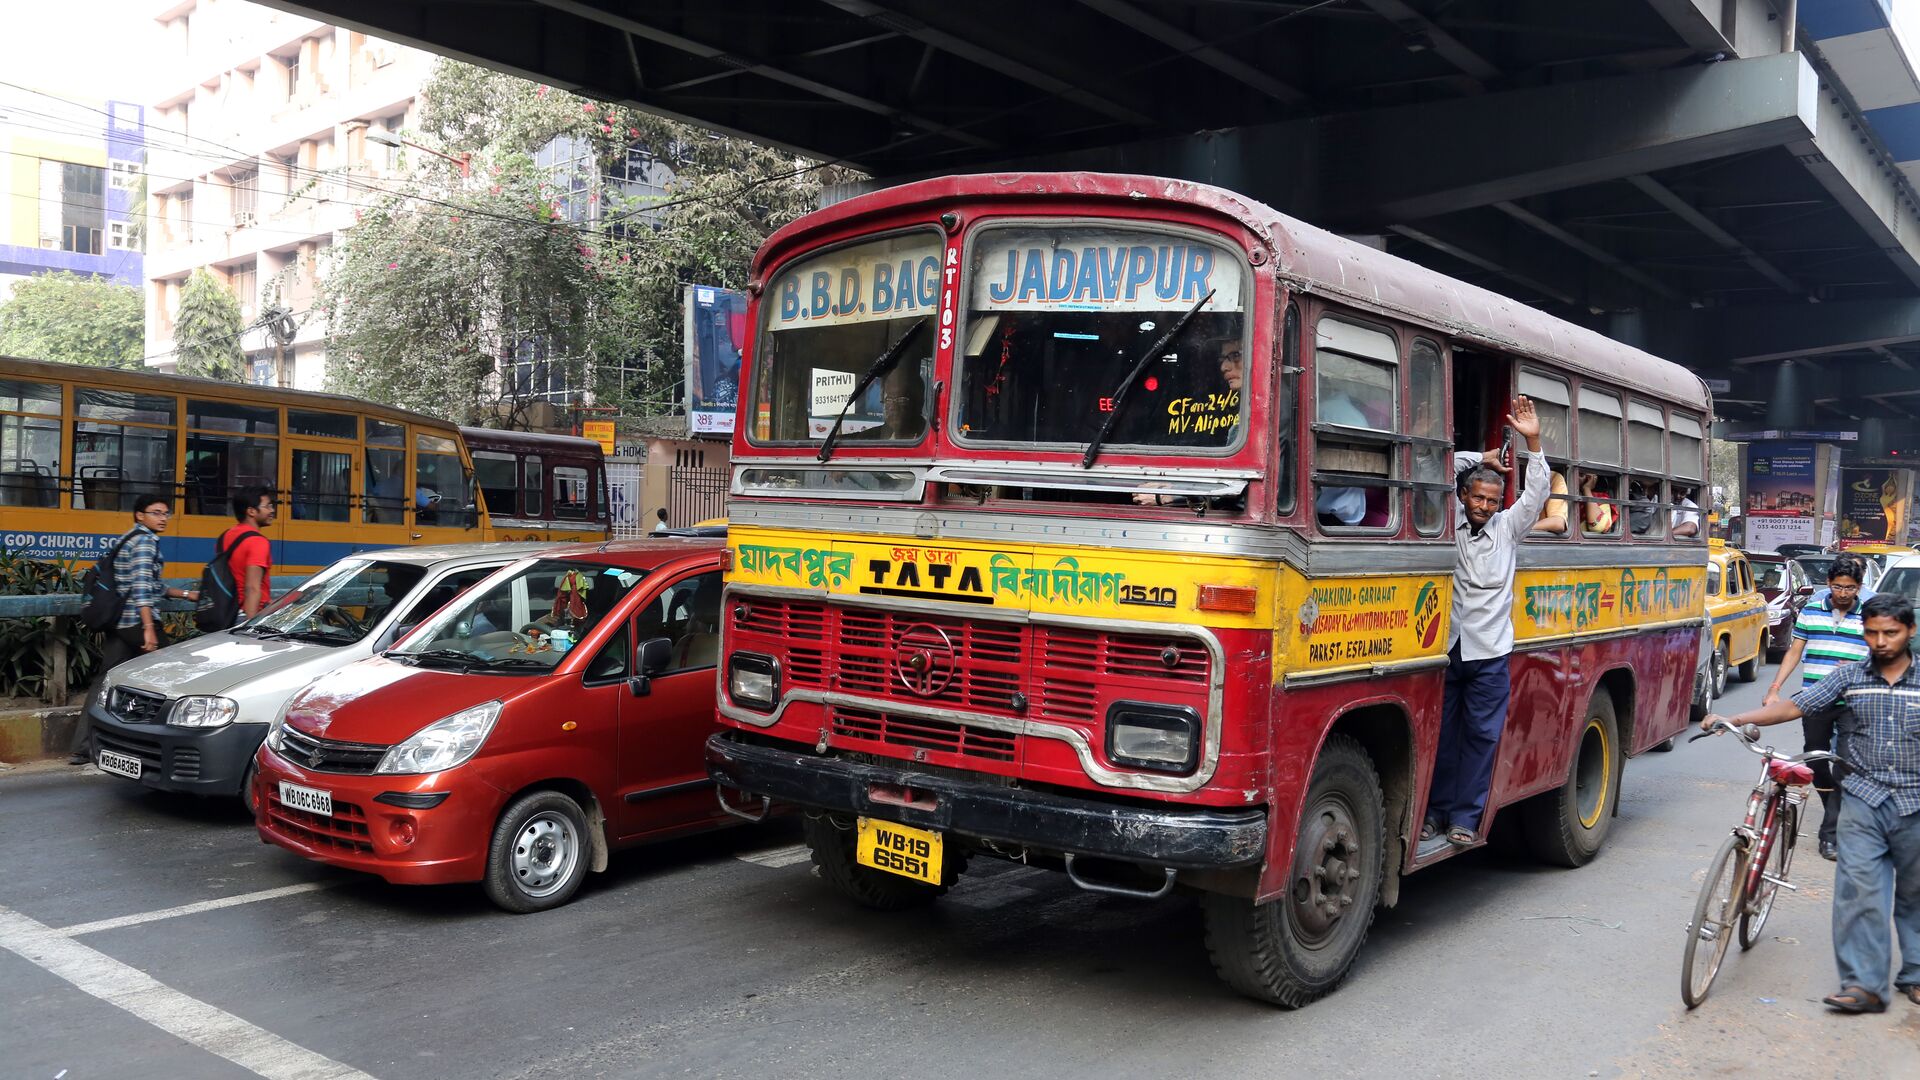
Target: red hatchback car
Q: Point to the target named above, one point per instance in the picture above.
(554, 711)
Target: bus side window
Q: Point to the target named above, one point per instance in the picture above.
(385, 475)
(1432, 453)
(1552, 403)
(1356, 420)
(497, 473)
(1285, 411)
(1686, 449)
(1600, 492)
(533, 486)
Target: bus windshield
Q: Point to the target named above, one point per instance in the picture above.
(1058, 315)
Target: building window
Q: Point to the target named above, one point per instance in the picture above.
(117, 238)
(245, 193)
(123, 175)
(293, 76)
(73, 207)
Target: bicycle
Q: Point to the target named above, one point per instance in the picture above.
(1751, 868)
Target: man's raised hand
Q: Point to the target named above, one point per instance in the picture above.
(1523, 419)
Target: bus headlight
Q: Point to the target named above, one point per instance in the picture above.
(1164, 738)
(753, 680)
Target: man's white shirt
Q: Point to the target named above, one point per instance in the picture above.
(1482, 614)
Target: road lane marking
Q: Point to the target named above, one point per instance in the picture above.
(775, 858)
(195, 908)
(189, 1019)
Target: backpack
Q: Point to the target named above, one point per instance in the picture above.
(219, 606)
(101, 602)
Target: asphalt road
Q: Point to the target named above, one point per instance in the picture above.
(723, 957)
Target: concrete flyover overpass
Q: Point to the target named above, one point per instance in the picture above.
(1728, 183)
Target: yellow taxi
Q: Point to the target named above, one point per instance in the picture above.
(1736, 616)
(1880, 556)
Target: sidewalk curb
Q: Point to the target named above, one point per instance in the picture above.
(30, 734)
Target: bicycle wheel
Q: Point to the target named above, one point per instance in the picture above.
(1762, 893)
(1712, 926)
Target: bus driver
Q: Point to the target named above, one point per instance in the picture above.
(1473, 709)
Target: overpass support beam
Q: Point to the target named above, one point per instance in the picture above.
(1740, 336)
(1370, 170)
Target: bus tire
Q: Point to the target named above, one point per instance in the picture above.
(1566, 827)
(834, 861)
(1296, 949)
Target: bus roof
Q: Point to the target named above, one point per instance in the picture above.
(194, 384)
(1310, 258)
(494, 438)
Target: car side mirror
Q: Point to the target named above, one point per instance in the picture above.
(655, 656)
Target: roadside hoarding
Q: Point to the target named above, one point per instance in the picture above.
(716, 332)
(1782, 492)
(1873, 504)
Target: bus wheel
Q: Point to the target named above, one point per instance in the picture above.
(1296, 949)
(833, 858)
(1566, 827)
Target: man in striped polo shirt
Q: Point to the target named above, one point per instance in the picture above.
(1827, 634)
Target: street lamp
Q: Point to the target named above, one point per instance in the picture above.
(465, 161)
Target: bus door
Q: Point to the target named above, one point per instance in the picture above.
(443, 509)
(319, 511)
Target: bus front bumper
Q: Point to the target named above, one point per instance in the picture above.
(1201, 838)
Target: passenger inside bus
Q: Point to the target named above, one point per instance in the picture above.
(1595, 516)
(1553, 516)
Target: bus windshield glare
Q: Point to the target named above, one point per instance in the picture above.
(1057, 316)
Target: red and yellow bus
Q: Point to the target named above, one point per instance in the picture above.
(1131, 553)
(78, 444)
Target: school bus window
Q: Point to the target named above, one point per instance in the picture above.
(533, 487)
(1601, 457)
(498, 476)
(228, 447)
(115, 462)
(1356, 400)
(441, 488)
(571, 493)
(1432, 451)
(385, 479)
(29, 443)
(324, 425)
(322, 487)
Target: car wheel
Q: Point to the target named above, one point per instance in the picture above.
(539, 853)
(1720, 670)
(249, 797)
(1749, 669)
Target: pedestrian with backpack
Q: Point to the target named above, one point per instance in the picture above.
(248, 552)
(133, 566)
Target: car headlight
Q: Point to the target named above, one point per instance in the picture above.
(753, 680)
(203, 712)
(443, 744)
(1164, 738)
(100, 696)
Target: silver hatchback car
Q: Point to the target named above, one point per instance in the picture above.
(189, 717)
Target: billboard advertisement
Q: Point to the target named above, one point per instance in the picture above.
(1782, 492)
(716, 332)
(1873, 505)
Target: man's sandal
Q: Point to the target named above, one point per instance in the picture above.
(1912, 992)
(1855, 999)
(1428, 831)
(1461, 836)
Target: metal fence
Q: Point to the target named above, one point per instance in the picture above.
(695, 494)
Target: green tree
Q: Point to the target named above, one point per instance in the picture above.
(438, 290)
(206, 332)
(73, 319)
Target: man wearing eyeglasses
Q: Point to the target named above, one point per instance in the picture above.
(1828, 634)
(136, 573)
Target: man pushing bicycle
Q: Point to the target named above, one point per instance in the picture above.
(1879, 831)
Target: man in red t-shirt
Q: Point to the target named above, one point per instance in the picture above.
(252, 555)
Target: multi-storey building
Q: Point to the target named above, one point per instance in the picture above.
(269, 133)
(69, 171)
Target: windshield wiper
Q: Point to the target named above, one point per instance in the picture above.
(467, 661)
(512, 662)
(260, 631)
(880, 367)
(1119, 396)
(318, 636)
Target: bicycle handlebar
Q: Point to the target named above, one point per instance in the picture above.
(1750, 735)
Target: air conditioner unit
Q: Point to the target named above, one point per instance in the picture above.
(245, 219)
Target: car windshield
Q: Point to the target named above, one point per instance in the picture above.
(340, 604)
(1816, 567)
(1057, 316)
(525, 618)
(1768, 575)
(1902, 581)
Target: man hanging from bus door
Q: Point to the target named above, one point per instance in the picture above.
(1480, 629)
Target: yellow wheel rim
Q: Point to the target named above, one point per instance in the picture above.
(1590, 818)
